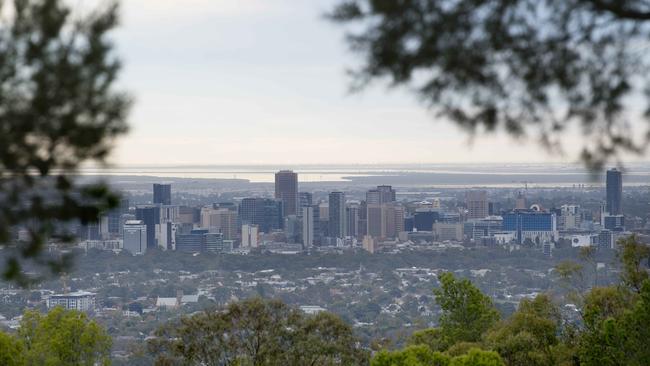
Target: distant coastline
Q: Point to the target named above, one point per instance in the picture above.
(443, 175)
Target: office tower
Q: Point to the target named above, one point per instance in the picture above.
(373, 197)
(363, 220)
(169, 213)
(308, 227)
(394, 220)
(385, 220)
(264, 212)
(286, 190)
(528, 225)
(221, 220)
(424, 218)
(150, 215)
(614, 182)
(115, 221)
(569, 217)
(382, 194)
(375, 220)
(477, 204)
(134, 237)
(293, 229)
(273, 216)
(162, 194)
(249, 236)
(251, 211)
(337, 215)
(167, 238)
(387, 194)
(352, 226)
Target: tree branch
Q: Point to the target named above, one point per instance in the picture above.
(619, 9)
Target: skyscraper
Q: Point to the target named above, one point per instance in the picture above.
(614, 192)
(308, 226)
(477, 204)
(249, 236)
(264, 212)
(352, 213)
(162, 193)
(150, 216)
(387, 194)
(286, 190)
(337, 215)
(382, 194)
(135, 237)
(115, 217)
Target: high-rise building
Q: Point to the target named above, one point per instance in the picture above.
(162, 194)
(387, 194)
(220, 220)
(134, 237)
(286, 190)
(308, 226)
(375, 220)
(115, 217)
(150, 215)
(337, 219)
(385, 220)
(424, 218)
(477, 204)
(614, 192)
(249, 236)
(293, 229)
(352, 226)
(264, 212)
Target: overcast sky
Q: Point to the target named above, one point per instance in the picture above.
(263, 82)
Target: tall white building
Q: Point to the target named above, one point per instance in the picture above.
(249, 236)
(135, 237)
(307, 226)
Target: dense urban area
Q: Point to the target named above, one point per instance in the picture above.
(371, 255)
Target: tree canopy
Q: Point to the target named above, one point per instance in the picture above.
(58, 109)
(257, 332)
(58, 338)
(466, 312)
(530, 68)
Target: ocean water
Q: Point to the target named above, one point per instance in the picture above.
(502, 175)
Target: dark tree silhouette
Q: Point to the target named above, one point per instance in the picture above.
(58, 109)
(533, 68)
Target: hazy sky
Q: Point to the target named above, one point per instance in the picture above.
(263, 81)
